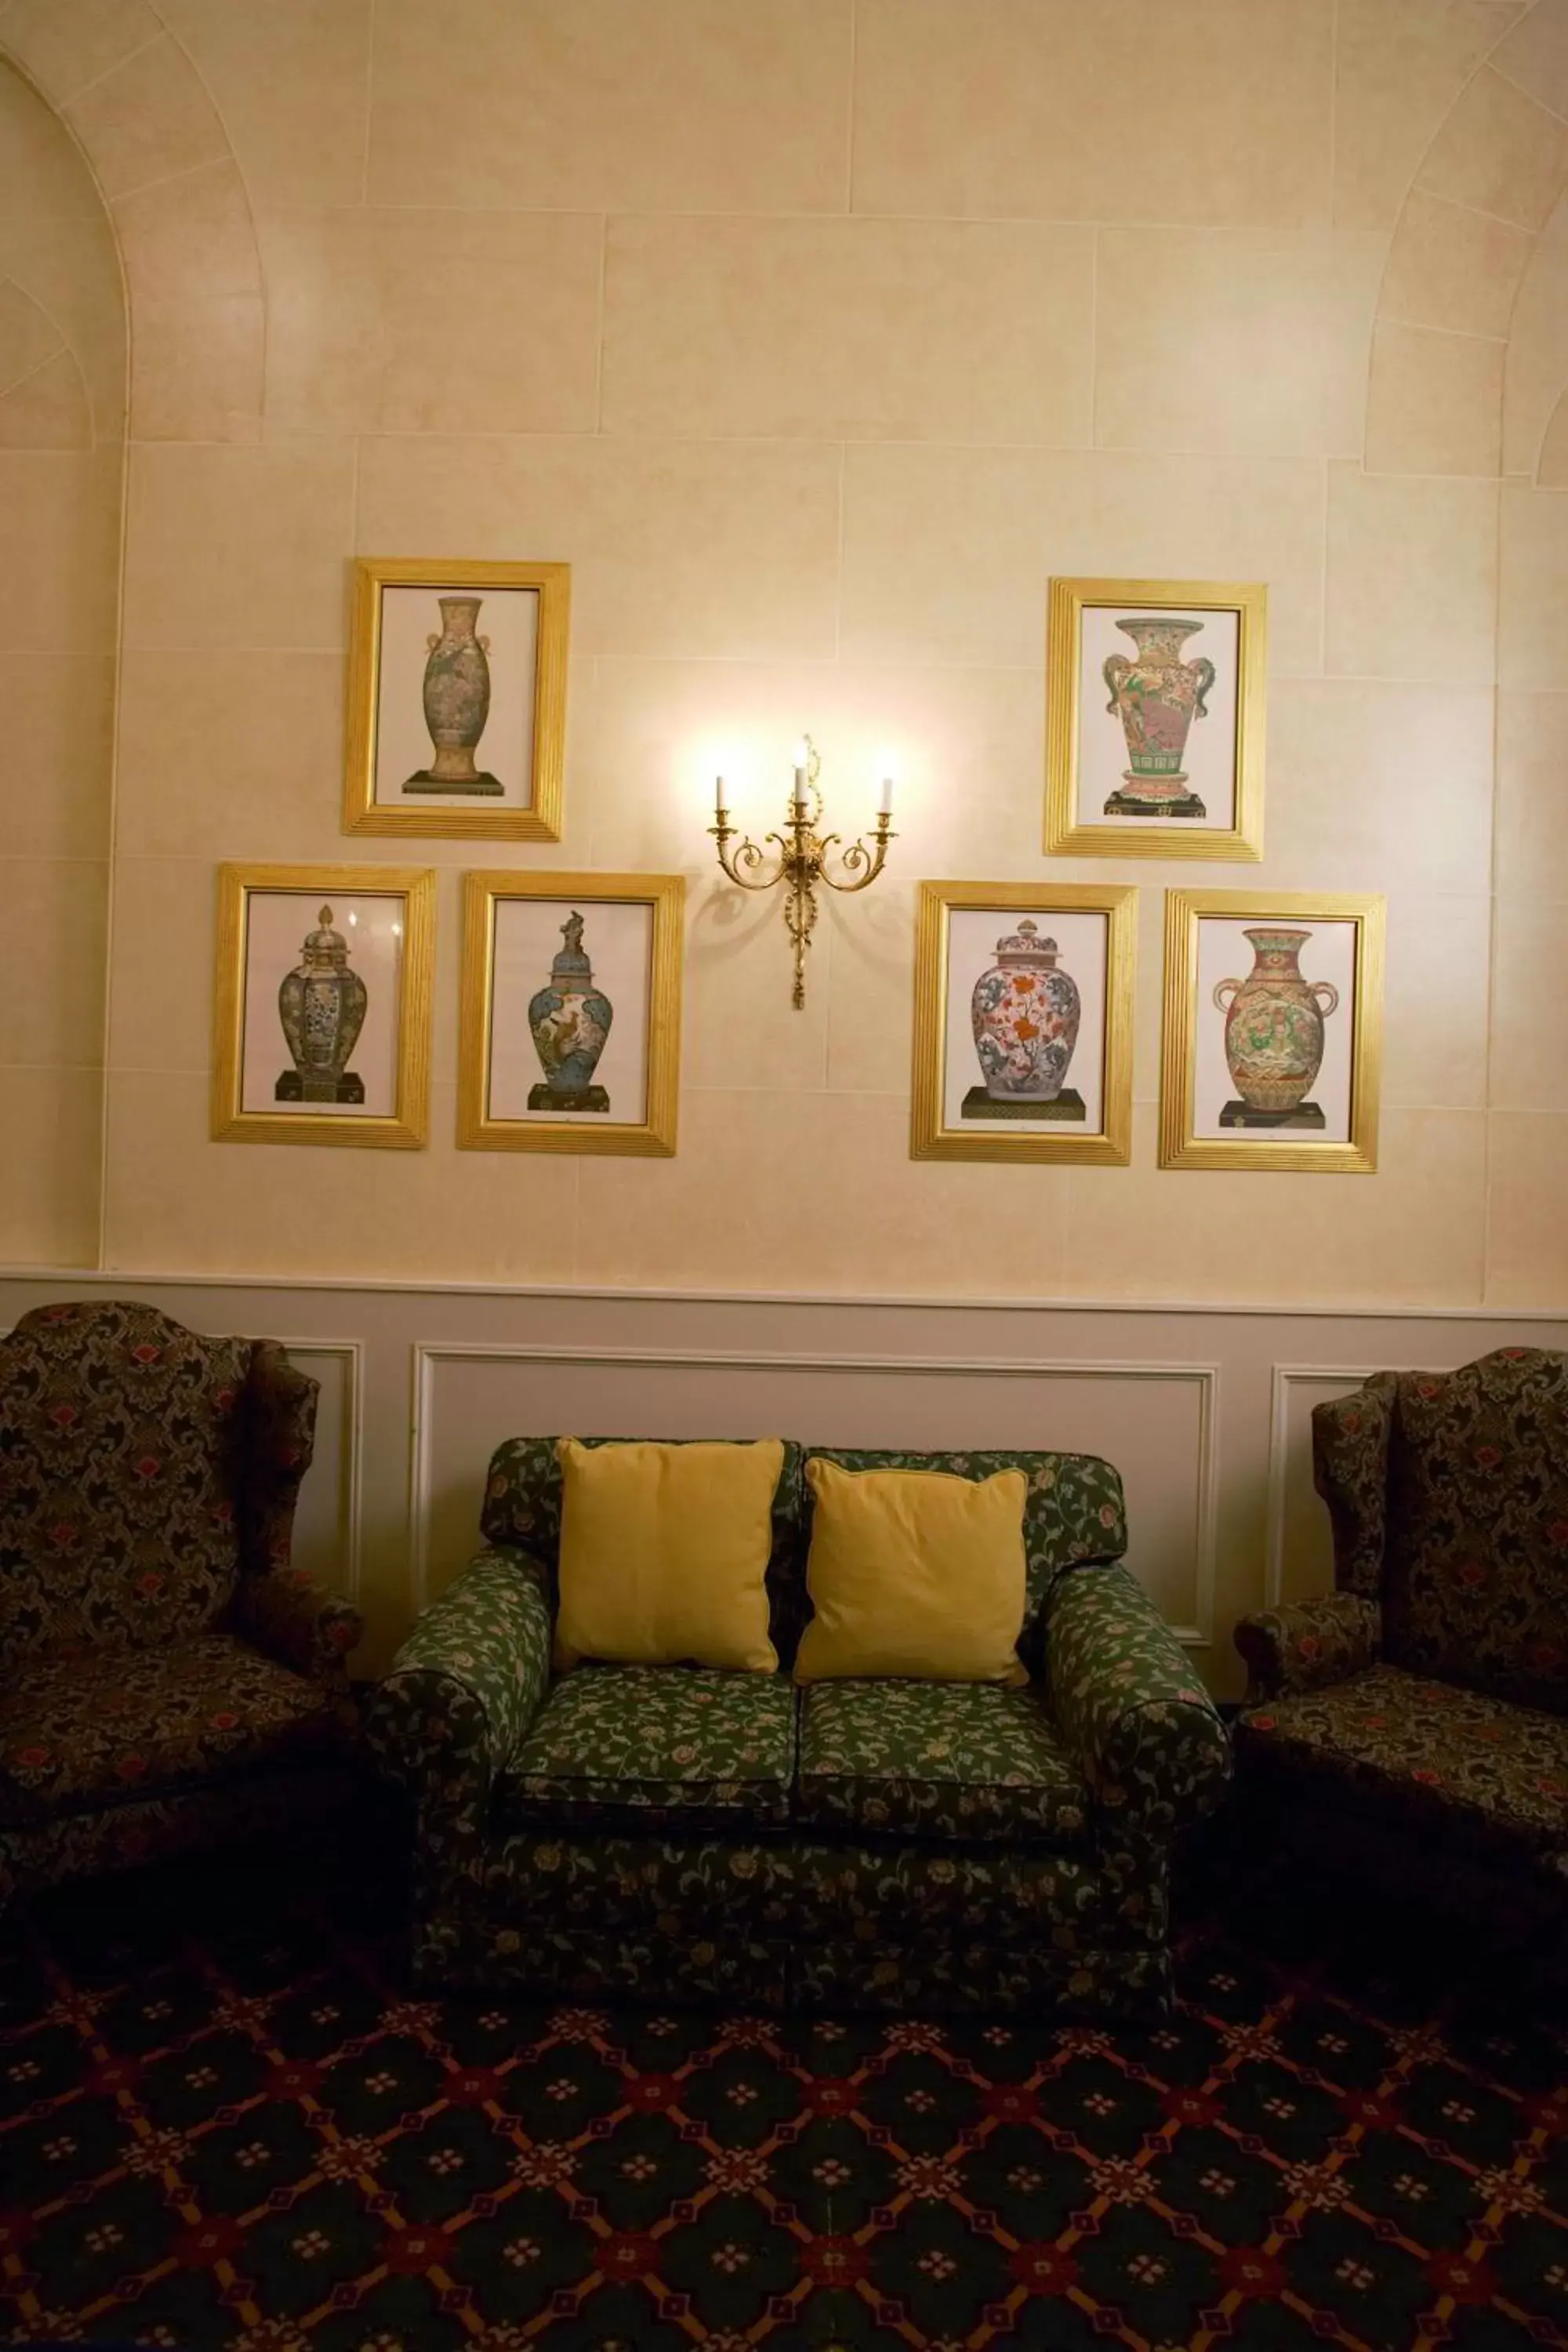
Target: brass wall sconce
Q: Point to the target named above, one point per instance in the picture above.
(802, 854)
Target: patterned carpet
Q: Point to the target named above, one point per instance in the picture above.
(226, 2122)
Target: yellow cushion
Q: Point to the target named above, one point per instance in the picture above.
(914, 1572)
(663, 1553)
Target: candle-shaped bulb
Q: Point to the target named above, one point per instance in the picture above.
(719, 795)
(885, 804)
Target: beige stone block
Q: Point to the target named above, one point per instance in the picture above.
(175, 1198)
(1042, 108)
(1536, 366)
(1400, 65)
(66, 44)
(1500, 151)
(614, 105)
(48, 409)
(1535, 54)
(1530, 1006)
(1532, 601)
(59, 747)
(197, 369)
(69, 268)
(42, 174)
(1239, 341)
(1552, 472)
(238, 547)
(188, 237)
(49, 1201)
(947, 551)
(1454, 269)
(28, 336)
(59, 526)
(412, 322)
(292, 83)
(52, 961)
(1434, 405)
(148, 120)
(1412, 577)
(856, 330)
(743, 1032)
(871, 985)
(1527, 1234)
(235, 755)
(1434, 1001)
(1373, 782)
(1532, 806)
(725, 550)
(158, 900)
(1412, 1235)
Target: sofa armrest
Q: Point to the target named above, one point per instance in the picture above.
(1309, 1644)
(1139, 1724)
(462, 1691)
(288, 1618)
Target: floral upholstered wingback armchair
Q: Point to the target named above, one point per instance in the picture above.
(1430, 1688)
(167, 1680)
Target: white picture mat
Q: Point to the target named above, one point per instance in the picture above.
(1225, 954)
(509, 618)
(1210, 757)
(1083, 939)
(617, 938)
(277, 923)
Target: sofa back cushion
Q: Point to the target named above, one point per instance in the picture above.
(122, 1438)
(1476, 1579)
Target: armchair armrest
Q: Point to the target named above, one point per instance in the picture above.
(1140, 1725)
(463, 1690)
(1309, 1644)
(293, 1621)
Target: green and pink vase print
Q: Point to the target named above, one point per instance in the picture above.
(570, 1019)
(1157, 694)
(1025, 1014)
(457, 703)
(1274, 1033)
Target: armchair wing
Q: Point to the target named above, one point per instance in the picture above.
(276, 1607)
(1139, 1722)
(1309, 1645)
(1350, 1470)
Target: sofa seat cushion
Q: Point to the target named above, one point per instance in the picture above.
(81, 1728)
(961, 1760)
(617, 1747)
(1480, 1766)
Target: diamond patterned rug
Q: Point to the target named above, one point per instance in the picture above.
(226, 2122)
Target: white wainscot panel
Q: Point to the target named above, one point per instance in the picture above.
(1154, 1421)
(327, 1522)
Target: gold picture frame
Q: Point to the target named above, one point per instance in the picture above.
(497, 807)
(1198, 1063)
(505, 1100)
(278, 924)
(962, 924)
(1082, 786)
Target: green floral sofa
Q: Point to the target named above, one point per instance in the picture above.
(678, 1835)
(1418, 1714)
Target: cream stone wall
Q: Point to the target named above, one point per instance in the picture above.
(816, 335)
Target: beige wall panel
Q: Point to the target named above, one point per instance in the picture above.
(60, 734)
(1532, 602)
(856, 330)
(1530, 1008)
(1552, 470)
(291, 81)
(1238, 341)
(1436, 402)
(947, 551)
(196, 369)
(163, 906)
(1527, 1234)
(1451, 267)
(47, 409)
(1535, 54)
(1499, 152)
(231, 548)
(718, 549)
(1532, 806)
(64, 47)
(48, 1201)
(1400, 65)
(70, 266)
(1369, 776)
(741, 1028)
(1537, 367)
(1434, 1002)
(193, 233)
(410, 322)
(1412, 578)
(150, 119)
(52, 960)
(59, 526)
(28, 336)
(42, 176)
(655, 105)
(1007, 109)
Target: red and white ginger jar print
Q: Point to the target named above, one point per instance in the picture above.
(1025, 1012)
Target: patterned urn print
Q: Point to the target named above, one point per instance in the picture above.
(1274, 1023)
(1025, 1014)
(570, 1019)
(322, 1005)
(457, 702)
(1157, 694)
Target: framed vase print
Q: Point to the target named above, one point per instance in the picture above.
(1273, 1031)
(457, 713)
(1024, 1022)
(570, 1032)
(323, 1004)
(1154, 718)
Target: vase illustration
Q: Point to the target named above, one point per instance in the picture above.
(570, 1019)
(322, 1005)
(1156, 695)
(1274, 1033)
(457, 703)
(1025, 1013)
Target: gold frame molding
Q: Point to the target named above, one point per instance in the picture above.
(541, 820)
(408, 1128)
(1112, 1145)
(1065, 832)
(1179, 1147)
(477, 1130)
